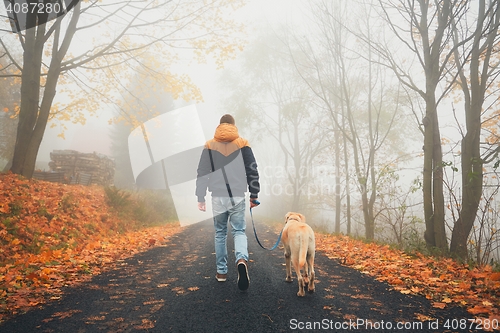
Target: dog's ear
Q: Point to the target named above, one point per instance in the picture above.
(302, 218)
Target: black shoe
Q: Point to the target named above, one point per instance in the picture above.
(243, 279)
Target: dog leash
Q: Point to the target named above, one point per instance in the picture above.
(255, 232)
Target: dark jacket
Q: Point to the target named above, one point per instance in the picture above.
(227, 166)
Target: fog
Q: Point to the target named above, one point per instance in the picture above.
(337, 135)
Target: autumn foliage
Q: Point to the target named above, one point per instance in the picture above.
(441, 280)
(55, 235)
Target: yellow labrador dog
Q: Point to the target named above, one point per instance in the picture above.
(299, 243)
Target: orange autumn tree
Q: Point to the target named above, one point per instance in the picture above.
(88, 53)
(147, 94)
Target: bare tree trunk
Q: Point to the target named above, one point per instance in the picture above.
(33, 116)
(371, 154)
(472, 187)
(432, 139)
(474, 90)
(297, 163)
(438, 189)
(348, 187)
(30, 92)
(429, 235)
(338, 198)
(368, 219)
(433, 192)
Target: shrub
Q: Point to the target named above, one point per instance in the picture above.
(144, 208)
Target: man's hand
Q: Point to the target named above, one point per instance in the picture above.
(202, 206)
(253, 202)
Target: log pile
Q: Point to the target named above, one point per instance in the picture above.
(83, 168)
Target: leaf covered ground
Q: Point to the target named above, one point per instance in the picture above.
(55, 235)
(443, 281)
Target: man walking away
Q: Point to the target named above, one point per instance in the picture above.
(227, 168)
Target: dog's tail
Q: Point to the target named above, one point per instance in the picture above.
(302, 250)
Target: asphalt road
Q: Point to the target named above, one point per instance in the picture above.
(173, 289)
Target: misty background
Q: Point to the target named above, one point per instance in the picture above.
(336, 133)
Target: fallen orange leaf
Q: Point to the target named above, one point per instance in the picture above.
(422, 317)
(439, 305)
(487, 303)
(495, 276)
(447, 300)
(478, 310)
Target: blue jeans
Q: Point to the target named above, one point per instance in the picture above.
(223, 211)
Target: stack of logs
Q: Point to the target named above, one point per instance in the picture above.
(94, 168)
